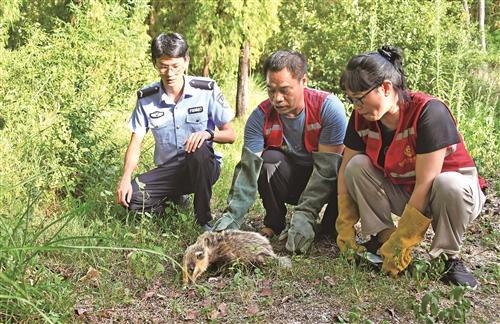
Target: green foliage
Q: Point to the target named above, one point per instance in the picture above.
(430, 309)
(68, 74)
(20, 15)
(354, 315)
(26, 289)
(216, 30)
(61, 96)
(330, 34)
(442, 56)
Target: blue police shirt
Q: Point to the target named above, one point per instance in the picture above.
(198, 108)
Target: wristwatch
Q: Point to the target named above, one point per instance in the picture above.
(211, 132)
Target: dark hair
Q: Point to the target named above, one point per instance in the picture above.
(294, 62)
(171, 45)
(366, 70)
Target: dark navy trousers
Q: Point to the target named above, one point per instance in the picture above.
(196, 173)
(283, 181)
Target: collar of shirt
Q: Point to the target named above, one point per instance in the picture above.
(186, 92)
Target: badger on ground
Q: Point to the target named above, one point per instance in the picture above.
(225, 247)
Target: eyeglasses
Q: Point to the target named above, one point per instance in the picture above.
(358, 101)
(171, 68)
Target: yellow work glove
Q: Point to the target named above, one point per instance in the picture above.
(396, 252)
(347, 218)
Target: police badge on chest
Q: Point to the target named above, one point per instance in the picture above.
(195, 110)
(158, 119)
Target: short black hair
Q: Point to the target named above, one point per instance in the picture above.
(294, 62)
(369, 69)
(171, 45)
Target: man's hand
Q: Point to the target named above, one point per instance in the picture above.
(124, 192)
(195, 141)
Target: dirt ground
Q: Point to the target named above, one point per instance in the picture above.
(302, 301)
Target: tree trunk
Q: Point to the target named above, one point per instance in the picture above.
(206, 64)
(72, 18)
(467, 13)
(481, 25)
(242, 91)
(152, 20)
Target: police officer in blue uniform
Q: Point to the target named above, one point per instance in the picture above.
(186, 115)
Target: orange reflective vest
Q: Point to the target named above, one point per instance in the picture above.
(400, 156)
(273, 127)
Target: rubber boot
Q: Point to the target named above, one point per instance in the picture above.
(317, 193)
(243, 191)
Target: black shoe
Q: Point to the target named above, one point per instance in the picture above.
(372, 245)
(457, 274)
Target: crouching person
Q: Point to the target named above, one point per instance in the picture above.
(183, 113)
(404, 155)
(292, 153)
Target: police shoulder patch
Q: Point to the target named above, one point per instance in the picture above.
(202, 84)
(146, 92)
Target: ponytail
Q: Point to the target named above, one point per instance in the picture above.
(395, 56)
(366, 70)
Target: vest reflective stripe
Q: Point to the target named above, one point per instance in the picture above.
(313, 126)
(405, 175)
(451, 149)
(369, 133)
(374, 135)
(273, 128)
(404, 134)
(400, 156)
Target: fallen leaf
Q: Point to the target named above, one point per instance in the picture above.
(252, 310)
(266, 288)
(220, 284)
(213, 314)
(207, 302)
(266, 292)
(147, 295)
(222, 309)
(106, 313)
(191, 293)
(266, 283)
(191, 315)
(285, 299)
(329, 280)
(92, 276)
(317, 281)
(81, 311)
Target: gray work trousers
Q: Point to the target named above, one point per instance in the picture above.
(454, 201)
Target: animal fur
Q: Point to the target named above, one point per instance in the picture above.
(226, 246)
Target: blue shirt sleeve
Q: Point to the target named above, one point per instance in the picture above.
(254, 127)
(138, 122)
(334, 122)
(219, 109)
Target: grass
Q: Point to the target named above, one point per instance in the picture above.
(48, 245)
(132, 257)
